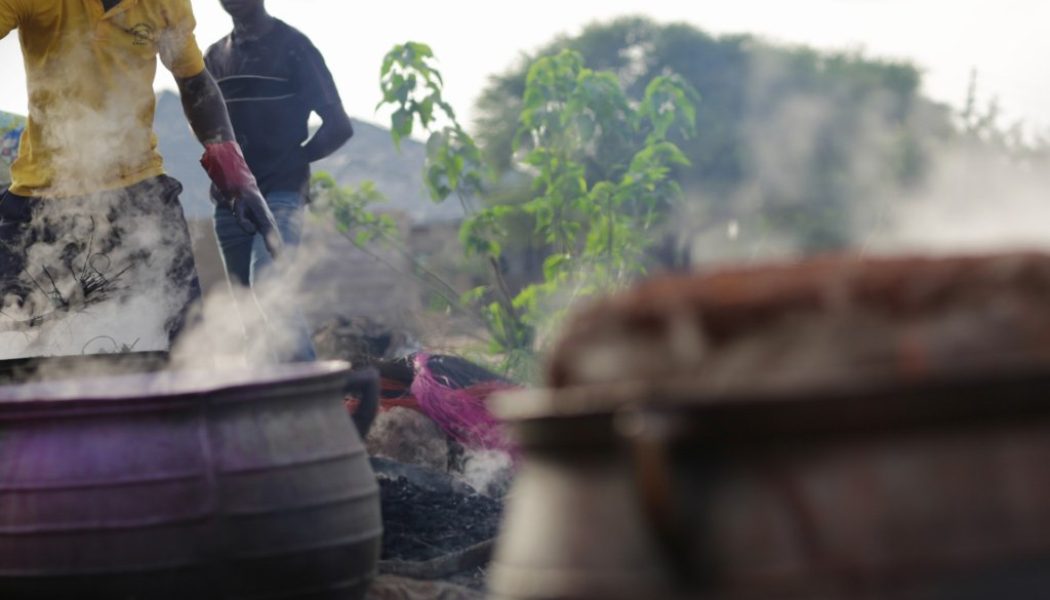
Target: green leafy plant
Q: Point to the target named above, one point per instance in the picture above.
(600, 167)
(412, 87)
(352, 209)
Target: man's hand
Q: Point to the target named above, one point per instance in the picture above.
(225, 165)
(253, 215)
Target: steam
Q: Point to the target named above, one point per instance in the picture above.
(242, 327)
(98, 277)
(233, 330)
(95, 135)
(976, 199)
(488, 471)
(263, 325)
(102, 264)
(974, 195)
(84, 292)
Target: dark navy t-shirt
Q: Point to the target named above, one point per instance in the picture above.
(271, 85)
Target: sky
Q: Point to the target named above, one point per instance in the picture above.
(1004, 40)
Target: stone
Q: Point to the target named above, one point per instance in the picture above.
(407, 436)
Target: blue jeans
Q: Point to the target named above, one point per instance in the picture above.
(248, 263)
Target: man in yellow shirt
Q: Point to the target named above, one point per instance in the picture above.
(94, 250)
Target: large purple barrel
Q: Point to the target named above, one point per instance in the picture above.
(235, 485)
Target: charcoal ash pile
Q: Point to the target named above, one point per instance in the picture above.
(421, 524)
(436, 528)
(442, 460)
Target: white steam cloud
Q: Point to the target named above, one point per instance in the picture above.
(970, 194)
(975, 200)
(94, 285)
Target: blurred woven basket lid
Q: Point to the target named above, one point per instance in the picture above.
(813, 324)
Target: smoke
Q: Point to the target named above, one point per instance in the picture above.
(92, 134)
(490, 472)
(247, 327)
(101, 275)
(977, 198)
(98, 266)
(103, 265)
(267, 324)
(233, 335)
(98, 281)
(868, 171)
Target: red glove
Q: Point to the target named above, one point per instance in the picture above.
(228, 170)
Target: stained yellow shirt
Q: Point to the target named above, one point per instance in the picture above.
(90, 80)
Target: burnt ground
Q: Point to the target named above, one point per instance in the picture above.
(421, 523)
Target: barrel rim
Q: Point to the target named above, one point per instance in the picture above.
(164, 390)
(1018, 394)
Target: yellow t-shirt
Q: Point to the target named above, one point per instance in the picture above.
(90, 78)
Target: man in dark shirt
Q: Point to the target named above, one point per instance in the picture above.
(273, 78)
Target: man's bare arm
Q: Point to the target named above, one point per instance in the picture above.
(335, 130)
(205, 109)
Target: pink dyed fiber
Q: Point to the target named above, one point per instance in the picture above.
(460, 412)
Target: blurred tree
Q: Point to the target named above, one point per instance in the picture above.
(796, 143)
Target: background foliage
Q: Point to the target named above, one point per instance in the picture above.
(636, 146)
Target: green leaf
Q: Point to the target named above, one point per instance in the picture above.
(474, 296)
(437, 183)
(426, 110)
(363, 237)
(403, 89)
(400, 125)
(420, 50)
(388, 63)
(555, 264)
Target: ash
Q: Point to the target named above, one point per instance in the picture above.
(420, 523)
